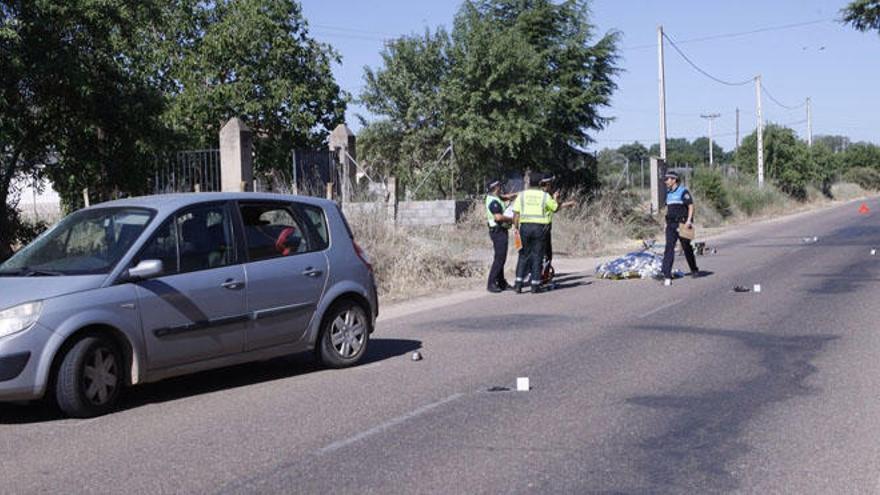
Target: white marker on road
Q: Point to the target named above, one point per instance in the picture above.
(873, 252)
(522, 384)
(756, 288)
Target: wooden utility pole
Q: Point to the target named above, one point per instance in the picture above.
(737, 128)
(809, 124)
(661, 71)
(760, 132)
(710, 117)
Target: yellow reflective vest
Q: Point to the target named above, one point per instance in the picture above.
(535, 206)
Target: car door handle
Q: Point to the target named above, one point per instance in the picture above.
(311, 272)
(232, 284)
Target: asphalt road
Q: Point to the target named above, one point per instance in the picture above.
(636, 388)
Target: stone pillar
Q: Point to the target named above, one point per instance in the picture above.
(344, 143)
(391, 200)
(236, 157)
(658, 190)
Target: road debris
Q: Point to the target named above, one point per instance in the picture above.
(416, 356)
(740, 288)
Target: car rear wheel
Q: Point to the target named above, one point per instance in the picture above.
(90, 378)
(344, 335)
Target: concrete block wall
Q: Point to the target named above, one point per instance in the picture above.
(414, 213)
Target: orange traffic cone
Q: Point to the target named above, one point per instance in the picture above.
(864, 209)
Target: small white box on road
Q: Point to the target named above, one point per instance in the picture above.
(873, 252)
(756, 288)
(522, 384)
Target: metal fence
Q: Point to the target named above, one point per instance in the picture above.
(187, 171)
(313, 170)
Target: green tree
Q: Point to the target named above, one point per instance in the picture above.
(786, 159)
(635, 152)
(520, 86)
(837, 144)
(251, 59)
(73, 103)
(679, 153)
(863, 15)
(411, 135)
(862, 155)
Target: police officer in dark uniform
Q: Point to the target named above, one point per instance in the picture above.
(679, 210)
(498, 227)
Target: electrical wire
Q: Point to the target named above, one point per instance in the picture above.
(774, 100)
(701, 71)
(734, 35)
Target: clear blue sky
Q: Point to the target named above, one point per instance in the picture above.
(831, 63)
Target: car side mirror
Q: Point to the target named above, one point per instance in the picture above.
(144, 270)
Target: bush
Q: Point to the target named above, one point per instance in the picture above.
(709, 185)
(867, 178)
(752, 200)
(594, 225)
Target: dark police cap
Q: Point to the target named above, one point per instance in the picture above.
(671, 175)
(493, 184)
(548, 179)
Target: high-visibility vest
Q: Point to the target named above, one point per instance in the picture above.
(490, 217)
(535, 206)
(676, 196)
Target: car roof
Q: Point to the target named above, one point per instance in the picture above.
(168, 203)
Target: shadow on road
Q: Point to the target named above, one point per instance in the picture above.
(702, 439)
(210, 381)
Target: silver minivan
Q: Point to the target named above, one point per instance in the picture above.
(142, 289)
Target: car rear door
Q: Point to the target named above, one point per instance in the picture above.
(197, 309)
(286, 271)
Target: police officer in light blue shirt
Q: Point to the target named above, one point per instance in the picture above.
(679, 210)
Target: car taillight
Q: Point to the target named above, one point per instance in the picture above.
(362, 255)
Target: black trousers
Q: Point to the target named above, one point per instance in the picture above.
(499, 244)
(532, 253)
(548, 244)
(669, 255)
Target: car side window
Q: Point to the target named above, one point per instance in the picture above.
(205, 237)
(163, 247)
(317, 224)
(272, 231)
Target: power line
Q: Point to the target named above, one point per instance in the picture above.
(734, 35)
(701, 71)
(774, 100)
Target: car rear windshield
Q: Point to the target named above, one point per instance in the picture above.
(85, 243)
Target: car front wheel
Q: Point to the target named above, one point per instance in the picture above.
(344, 335)
(89, 378)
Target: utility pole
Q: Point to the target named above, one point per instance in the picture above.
(809, 124)
(662, 93)
(737, 128)
(710, 117)
(760, 132)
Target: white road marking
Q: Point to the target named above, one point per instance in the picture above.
(387, 425)
(661, 308)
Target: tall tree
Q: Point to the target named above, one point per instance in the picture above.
(521, 86)
(73, 104)
(411, 135)
(252, 59)
(786, 159)
(863, 15)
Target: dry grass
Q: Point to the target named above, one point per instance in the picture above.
(411, 262)
(592, 227)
